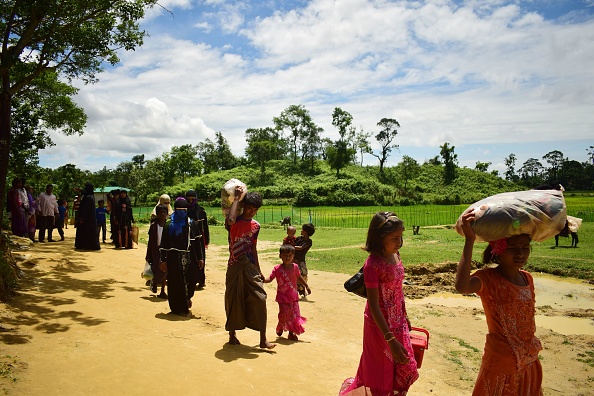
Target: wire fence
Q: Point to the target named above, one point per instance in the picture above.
(359, 217)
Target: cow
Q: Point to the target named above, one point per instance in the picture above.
(286, 221)
(566, 232)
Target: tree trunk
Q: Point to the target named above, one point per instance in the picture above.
(4, 146)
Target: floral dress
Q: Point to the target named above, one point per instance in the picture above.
(510, 363)
(378, 374)
(287, 297)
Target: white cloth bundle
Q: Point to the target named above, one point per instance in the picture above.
(228, 194)
(539, 213)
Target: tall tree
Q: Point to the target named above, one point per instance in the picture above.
(339, 153)
(531, 172)
(450, 162)
(295, 121)
(591, 154)
(226, 157)
(311, 144)
(184, 161)
(555, 159)
(408, 169)
(70, 37)
(510, 171)
(361, 143)
(207, 152)
(385, 137)
(263, 145)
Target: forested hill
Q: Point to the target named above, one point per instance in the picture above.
(282, 184)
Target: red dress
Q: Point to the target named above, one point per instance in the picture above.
(289, 315)
(510, 363)
(378, 374)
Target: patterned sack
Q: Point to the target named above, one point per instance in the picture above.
(539, 213)
(356, 284)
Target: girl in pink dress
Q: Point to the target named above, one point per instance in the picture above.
(387, 365)
(287, 276)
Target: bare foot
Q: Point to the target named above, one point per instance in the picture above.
(267, 345)
(293, 336)
(233, 340)
(279, 333)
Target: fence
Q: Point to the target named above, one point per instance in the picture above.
(359, 217)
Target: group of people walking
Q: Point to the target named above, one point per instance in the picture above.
(176, 250)
(29, 214)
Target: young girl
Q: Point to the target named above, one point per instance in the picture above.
(510, 363)
(387, 365)
(287, 276)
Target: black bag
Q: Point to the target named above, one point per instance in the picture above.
(356, 284)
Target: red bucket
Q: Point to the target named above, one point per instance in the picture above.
(420, 341)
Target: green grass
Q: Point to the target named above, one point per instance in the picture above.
(338, 249)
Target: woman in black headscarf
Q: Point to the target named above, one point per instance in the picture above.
(181, 257)
(87, 236)
(123, 221)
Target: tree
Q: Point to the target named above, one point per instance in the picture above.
(46, 104)
(151, 178)
(311, 144)
(482, 166)
(295, 120)
(226, 158)
(450, 162)
(216, 155)
(68, 177)
(555, 159)
(361, 143)
(263, 145)
(72, 38)
(531, 172)
(385, 137)
(339, 153)
(408, 169)
(591, 154)
(183, 160)
(510, 172)
(207, 153)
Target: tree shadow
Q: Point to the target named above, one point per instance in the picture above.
(39, 294)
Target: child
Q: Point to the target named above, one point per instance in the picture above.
(66, 216)
(287, 276)
(153, 256)
(302, 245)
(61, 218)
(245, 297)
(290, 238)
(510, 363)
(101, 224)
(387, 365)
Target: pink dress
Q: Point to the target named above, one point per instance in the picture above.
(289, 315)
(378, 374)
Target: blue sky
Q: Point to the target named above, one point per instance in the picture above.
(489, 77)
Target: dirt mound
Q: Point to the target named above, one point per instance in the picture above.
(424, 280)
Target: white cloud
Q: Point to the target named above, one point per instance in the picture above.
(477, 73)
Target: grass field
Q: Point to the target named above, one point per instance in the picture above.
(339, 249)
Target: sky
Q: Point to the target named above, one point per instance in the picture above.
(490, 77)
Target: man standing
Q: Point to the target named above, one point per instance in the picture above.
(47, 207)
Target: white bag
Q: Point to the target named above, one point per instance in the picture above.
(539, 213)
(228, 194)
(147, 273)
(574, 223)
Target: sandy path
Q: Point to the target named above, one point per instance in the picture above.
(85, 324)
